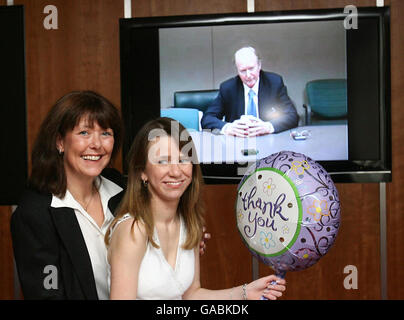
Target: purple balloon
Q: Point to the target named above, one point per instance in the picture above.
(287, 211)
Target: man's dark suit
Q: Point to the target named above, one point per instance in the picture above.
(274, 104)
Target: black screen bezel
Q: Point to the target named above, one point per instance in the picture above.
(368, 61)
(13, 131)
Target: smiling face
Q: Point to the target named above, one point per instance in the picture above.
(168, 171)
(248, 66)
(87, 150)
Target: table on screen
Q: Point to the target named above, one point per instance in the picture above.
(323, 143)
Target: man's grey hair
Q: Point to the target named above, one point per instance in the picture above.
(244, 50)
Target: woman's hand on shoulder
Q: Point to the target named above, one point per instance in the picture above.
(205, 237)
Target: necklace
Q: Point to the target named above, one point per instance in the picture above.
(89, 201)
(93, 191)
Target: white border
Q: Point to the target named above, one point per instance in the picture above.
(250, 5)
(127, 8)
(379, 3)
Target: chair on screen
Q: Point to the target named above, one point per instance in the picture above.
(188, 117)
(326, 102)
(197, 99)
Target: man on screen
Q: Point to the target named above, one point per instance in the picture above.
(253, 103)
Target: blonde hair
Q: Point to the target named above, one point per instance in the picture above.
(136, 200)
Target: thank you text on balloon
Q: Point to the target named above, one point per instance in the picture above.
(261, 213)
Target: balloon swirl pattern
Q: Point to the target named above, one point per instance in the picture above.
(287, 211)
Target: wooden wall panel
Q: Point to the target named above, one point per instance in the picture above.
(264, 5)
(149, 8)
(82, 54)
(6, 255)
(395, 190)
(227, 261)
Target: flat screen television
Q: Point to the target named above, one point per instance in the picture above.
(165, 56)
(13, 128)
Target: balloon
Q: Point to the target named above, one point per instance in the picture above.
(287, 211)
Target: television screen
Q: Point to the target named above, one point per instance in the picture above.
(13, 128)
(334, 71)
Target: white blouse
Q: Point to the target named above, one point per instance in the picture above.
(92, 233)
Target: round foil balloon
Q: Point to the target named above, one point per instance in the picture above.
(287, 211)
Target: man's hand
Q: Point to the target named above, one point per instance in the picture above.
(238, 128)
(259, 128)
(248, 126)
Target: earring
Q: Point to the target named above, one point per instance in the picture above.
(145, 183)
(60, 152)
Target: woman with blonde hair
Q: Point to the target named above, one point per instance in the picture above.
(153, 240)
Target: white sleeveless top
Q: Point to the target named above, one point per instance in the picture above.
(157, 279)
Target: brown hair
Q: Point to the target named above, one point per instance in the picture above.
(48, 173)
(136, 200)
